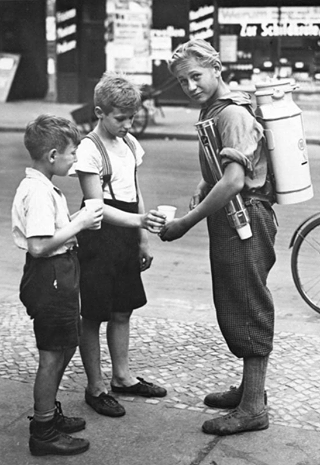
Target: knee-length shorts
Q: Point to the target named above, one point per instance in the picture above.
(110, 277)
(240, 268)
(49, 289)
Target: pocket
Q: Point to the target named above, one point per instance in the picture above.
(36, 283)
(65, 275)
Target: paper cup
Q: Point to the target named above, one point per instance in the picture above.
(167, 210)
(244, 232)
(94, 204)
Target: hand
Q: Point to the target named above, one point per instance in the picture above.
(90, 218)
(173, 230)
(144, 257)
(194, 201)
(153, 221)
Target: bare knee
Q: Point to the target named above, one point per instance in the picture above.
(121, 318)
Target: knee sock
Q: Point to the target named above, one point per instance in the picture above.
(253, 382)
(44, 416)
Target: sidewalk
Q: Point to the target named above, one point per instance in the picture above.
(179, 356)
(177, 122)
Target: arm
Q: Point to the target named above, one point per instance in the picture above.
(41, 246)
(227, 187)
(91, 188)
(200, 193)
(145, 256)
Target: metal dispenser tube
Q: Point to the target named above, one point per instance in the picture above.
(237, 213)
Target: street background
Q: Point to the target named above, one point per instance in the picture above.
(175, 340)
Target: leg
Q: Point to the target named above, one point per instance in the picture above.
(251, 414)
(118, 334)
(50, 371)
(90, 354)
(123, 382)
(45, 439)
(254, 378)
(96, 394)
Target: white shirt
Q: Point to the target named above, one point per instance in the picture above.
(39, 209)
(123, 167)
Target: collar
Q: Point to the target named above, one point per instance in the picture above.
(32, 173)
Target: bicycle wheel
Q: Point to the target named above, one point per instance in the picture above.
(305, 263)
(140, 121)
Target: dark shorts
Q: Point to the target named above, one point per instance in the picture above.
(49, 290)
(240, 268)
(110, 279)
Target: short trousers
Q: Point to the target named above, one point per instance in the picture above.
(243, 302)
(110, 279)
(49, 289)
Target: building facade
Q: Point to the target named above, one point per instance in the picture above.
(64, 46)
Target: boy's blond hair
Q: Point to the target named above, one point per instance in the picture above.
(49, 132)
(200, 50)
(115, 91)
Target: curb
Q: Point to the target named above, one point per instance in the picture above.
(158, 135)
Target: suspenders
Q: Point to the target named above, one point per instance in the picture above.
(106, 164)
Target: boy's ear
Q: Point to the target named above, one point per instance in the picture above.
(218, 69)
(52, 155)
(98, 111)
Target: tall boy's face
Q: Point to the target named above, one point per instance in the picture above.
(197, 82)
(118, 122)
(64, 160)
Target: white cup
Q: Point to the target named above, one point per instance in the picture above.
(245, 232)
(93, 205)
(167, 210)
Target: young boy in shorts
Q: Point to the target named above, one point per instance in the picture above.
(113, 257)
(49, 288)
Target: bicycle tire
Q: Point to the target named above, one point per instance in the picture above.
(305, 263)
(140, 121)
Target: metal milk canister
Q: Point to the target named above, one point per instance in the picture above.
(283, 127)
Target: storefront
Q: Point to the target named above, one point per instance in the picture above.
(282, 39)
(64, 46)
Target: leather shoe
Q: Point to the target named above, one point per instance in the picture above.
(46, 440)
(63, 424)
(142, 388)
(228, 399)
(235, 422)
(105, 404)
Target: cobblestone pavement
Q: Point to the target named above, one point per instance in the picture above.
(189, 359)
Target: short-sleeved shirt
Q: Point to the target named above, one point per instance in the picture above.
(241, 137)
(123, 167)
(39, 209)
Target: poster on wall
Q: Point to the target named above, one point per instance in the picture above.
(128, 38)
(8, 66)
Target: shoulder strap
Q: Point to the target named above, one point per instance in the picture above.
(106, 164)
(132, 146)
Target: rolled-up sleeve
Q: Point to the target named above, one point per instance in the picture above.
(240, 134)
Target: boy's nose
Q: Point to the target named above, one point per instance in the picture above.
(192, 85)
(128, 123)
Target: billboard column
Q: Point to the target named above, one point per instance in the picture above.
(51, 36)
(216, 32)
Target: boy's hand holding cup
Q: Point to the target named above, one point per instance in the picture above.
(169, 211)
(94, 205)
